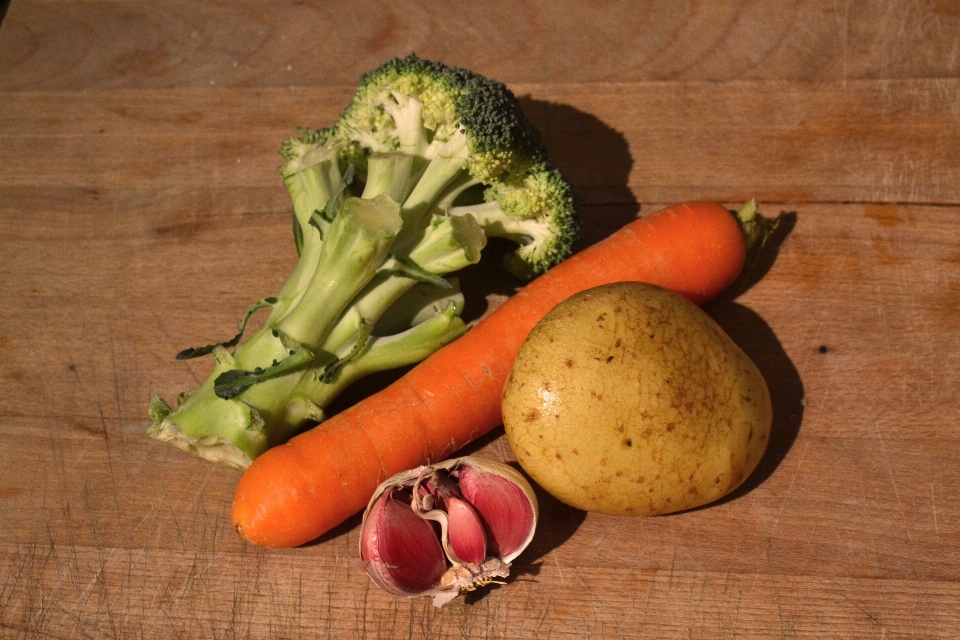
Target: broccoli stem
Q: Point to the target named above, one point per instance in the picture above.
(230, 433)
(319, 387)
(449, 244)
(359, 240)
(444, 169)
(354, 285)
(299, 278)
(310, 189)
(393, 174)
(495, 223)
(407, 114)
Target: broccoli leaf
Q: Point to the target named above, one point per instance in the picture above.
(230, 383)
(196, 352)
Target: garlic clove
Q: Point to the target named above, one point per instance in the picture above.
(401, 550)
(506, 504)
(462, 533)
(465, 533)
(402, 558)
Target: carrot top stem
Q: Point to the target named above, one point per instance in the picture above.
(756, 228)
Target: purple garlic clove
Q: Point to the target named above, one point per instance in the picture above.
(504, 507)
(400, 549)
(468, 541)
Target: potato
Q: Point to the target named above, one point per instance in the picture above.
(628, 399)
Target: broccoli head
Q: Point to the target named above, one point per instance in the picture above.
(462, 130)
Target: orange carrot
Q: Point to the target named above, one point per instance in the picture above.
(297, 491)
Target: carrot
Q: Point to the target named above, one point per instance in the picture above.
(297, 491)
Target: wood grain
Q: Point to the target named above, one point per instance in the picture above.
(173, 43)
(866, 141)
(141, 211)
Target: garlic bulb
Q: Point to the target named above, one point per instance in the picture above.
(445, 528)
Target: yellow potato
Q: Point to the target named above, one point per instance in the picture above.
(628, 399)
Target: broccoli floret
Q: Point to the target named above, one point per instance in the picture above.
(378, 222)
(465, 130)
(414, 105)
(539, 215)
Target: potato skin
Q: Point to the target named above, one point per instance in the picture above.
(628, 399)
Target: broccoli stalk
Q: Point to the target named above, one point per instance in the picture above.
(379, 218)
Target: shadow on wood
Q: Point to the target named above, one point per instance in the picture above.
(595, 158)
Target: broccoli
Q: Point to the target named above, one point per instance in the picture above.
(424, 165)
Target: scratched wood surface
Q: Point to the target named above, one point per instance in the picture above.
(140, 212)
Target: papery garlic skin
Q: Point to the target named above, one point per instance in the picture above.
(464, 514)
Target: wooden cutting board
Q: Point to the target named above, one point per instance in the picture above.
(141, 212)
